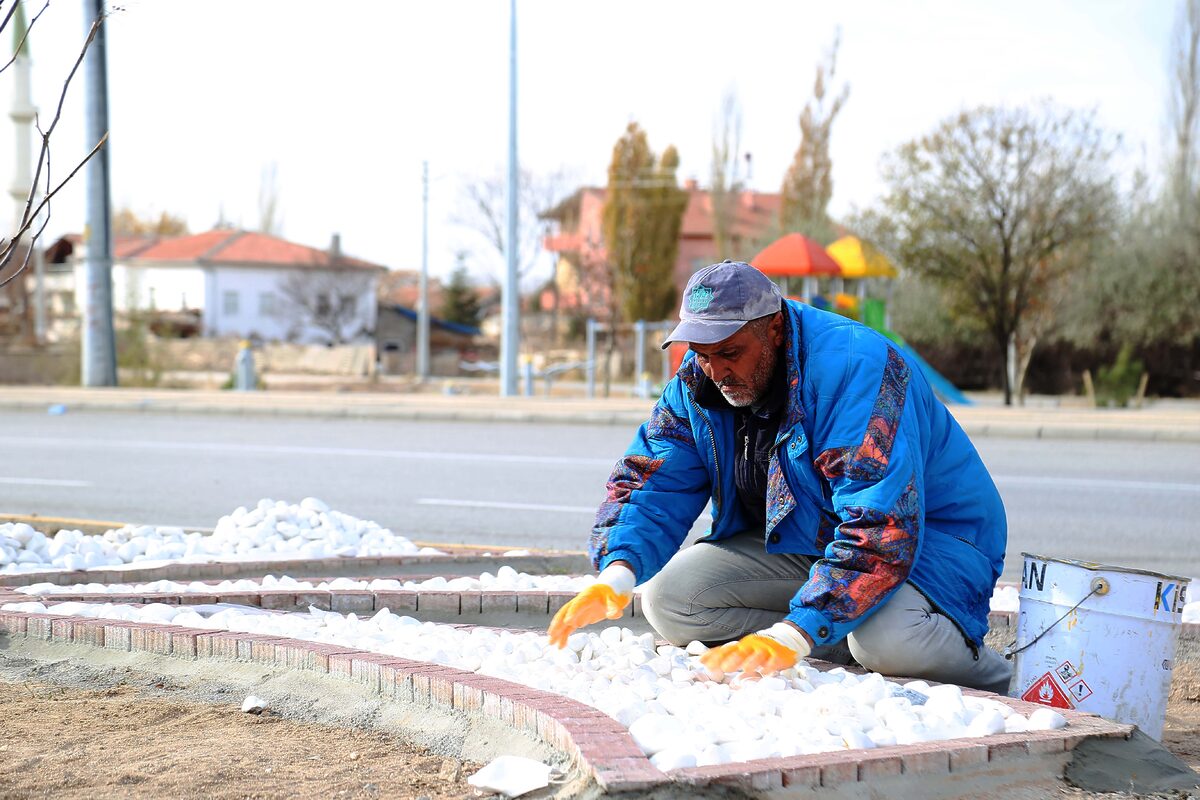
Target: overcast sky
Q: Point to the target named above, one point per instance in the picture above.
(347, 99)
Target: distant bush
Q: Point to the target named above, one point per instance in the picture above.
(1116, 384)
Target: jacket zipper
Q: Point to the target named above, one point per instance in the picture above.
(712, 438)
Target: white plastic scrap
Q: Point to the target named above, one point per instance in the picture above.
(512, 776)
(253, 704)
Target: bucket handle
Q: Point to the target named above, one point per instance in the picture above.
(1100, 586)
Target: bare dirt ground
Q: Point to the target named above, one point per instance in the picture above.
(71, 736)
(65, 742)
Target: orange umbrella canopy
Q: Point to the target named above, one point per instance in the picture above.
(795, 255)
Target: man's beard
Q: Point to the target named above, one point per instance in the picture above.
(740, 395)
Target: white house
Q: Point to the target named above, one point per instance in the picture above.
(243, 284)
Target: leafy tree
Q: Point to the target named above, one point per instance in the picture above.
(127, 222)
(808, 185)
(460, 303)
(643, 214)
(999, 206)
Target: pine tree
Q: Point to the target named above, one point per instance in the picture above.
(460, 304)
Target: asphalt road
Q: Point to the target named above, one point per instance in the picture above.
(1130, 503)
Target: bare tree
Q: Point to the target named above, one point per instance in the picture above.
(327, 300)
(808, 185)
(485, 211)
(1184, 99)
(17, 249)
(726, 178)
(270, 215)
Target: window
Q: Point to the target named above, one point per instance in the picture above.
(229, 303)
(323, 305)
(267, 306)
(349, 305)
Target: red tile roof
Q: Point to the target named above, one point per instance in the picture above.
(234, 247)
(754, 215)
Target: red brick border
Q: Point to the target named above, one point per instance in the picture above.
(452, 558)
(601, 744)
(598, 742)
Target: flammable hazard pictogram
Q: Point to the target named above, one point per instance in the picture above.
(1046, 692)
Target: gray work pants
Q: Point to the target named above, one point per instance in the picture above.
(715, 592)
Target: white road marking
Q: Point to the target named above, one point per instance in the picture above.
(305, 450)
(44, 482)
(589, 510)
(1094, 483)
(435, 501)
(1036, 482)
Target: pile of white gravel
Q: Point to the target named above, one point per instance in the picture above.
(272, 530)
(678, 713)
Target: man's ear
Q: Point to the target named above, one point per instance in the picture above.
(777, 329)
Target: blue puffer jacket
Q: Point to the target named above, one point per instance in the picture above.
(869, 471)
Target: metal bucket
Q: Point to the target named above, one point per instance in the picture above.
(1098, 638)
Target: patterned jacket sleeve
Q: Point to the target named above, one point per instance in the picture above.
(866, 441)
(655, 493)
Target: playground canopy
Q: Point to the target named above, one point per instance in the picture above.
(795, 256)
(859, 259)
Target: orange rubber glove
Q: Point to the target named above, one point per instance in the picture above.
(605, 599)
(777, 648)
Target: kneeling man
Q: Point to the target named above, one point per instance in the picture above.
(849, 508)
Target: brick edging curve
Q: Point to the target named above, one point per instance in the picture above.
(600, 744)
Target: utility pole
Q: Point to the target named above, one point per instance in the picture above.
(99, 354)
(423, 300)
(510, 336)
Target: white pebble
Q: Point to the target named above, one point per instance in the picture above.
(673, 758)
(656, 732)
(1046, 719)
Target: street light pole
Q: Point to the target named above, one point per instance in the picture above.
(99, 354)
(510, 308)
(423, 301)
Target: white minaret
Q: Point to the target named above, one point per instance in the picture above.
(22, 114)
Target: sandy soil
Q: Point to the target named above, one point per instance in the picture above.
(69, 743)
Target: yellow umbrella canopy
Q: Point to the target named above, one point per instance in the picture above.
(859, 259)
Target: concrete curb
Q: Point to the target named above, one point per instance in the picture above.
(1153, 424)
(598, 743)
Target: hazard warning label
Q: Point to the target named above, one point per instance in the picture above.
(1066, 671)
(1080, 691)
(1047, 692)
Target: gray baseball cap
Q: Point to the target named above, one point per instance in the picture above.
(720, 299)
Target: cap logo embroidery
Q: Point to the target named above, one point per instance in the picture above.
(700, 298)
